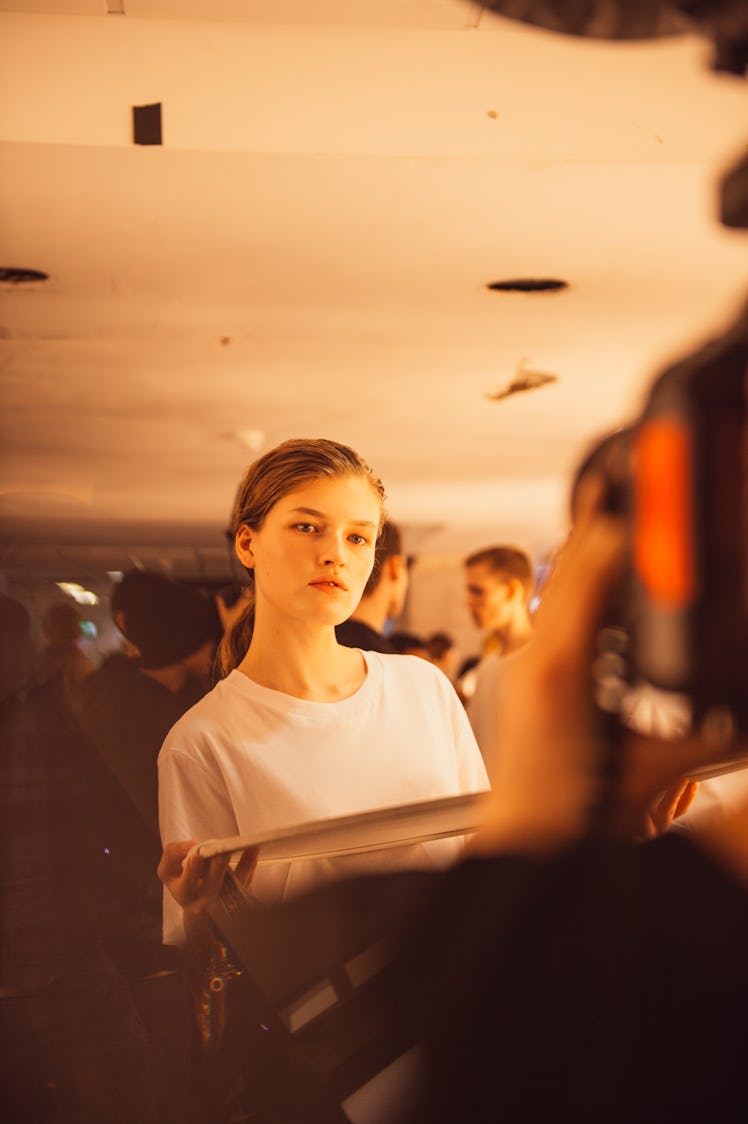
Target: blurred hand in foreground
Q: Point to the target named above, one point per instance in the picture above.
(549, 766)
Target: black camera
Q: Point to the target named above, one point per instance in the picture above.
(675, 658)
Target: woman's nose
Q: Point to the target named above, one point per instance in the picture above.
(332, 551)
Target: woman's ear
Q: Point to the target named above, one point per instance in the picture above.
(243, 546)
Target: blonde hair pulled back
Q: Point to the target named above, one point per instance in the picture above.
(272, 476)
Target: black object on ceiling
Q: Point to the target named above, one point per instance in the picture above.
(146, 124)
(528, 285)
(14, 275)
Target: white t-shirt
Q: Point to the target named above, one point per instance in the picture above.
(247, 759)
(484, 707)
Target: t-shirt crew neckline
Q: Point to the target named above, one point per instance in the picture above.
(311, 708)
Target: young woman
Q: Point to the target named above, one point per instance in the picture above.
(301, 728)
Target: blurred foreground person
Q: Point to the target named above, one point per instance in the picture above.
(75, 1050)
(589, 979)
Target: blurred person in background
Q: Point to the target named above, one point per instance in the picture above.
(499, 584)
(409, 644)
(131, 704)
(441, 650)
(61, 662)
(75, 1047)
(383, 597)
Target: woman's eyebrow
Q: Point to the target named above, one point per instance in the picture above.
(321, 515)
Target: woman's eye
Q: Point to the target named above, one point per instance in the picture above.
(357, 539)
(307, 528)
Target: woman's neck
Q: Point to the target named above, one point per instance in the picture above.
(306, 665)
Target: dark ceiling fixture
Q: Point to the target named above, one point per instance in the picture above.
(525, 378)
(146, 124)
(528, 285)
(11, 275)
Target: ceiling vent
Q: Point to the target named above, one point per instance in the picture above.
(528, 285)
(12, 275)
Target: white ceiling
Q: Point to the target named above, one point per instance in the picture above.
(307, 255)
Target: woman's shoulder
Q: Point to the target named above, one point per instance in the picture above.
(412, 669)
(204, 719)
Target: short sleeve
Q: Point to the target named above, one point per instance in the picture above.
(193, 804)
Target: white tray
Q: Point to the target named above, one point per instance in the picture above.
(367, 831)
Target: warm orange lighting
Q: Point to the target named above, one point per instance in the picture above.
(663, 534)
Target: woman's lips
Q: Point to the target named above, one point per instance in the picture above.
(329, 585)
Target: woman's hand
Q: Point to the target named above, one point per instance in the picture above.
(196, 882)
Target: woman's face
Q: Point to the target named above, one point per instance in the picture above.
(314, 552)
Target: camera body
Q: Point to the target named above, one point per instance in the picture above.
(679, 475)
